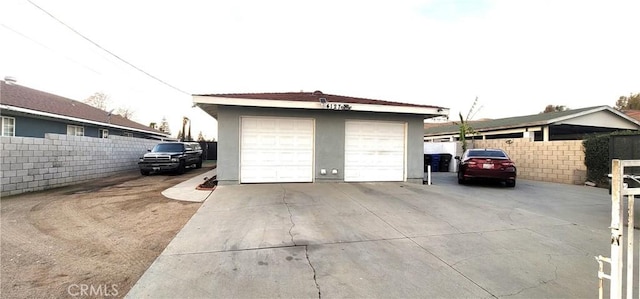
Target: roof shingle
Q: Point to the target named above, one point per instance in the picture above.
(28, 98)
(509, 122)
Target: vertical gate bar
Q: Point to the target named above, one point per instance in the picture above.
(616, 230)
(600, 278)
(630, 240)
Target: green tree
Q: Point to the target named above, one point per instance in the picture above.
(632, 102)
(201, 137)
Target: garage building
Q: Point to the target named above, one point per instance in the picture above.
(316, 137)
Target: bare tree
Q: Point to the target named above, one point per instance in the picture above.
(125, 112)
(99, 100)
(554, 108)
(464, 126)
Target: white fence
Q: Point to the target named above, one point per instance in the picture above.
(621, 250)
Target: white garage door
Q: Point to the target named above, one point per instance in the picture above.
(374, 151)
(276, 150)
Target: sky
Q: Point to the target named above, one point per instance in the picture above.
(515, 56)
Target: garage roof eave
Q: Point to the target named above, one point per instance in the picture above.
(210, 105)
(210, 109)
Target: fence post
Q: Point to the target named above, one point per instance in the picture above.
(631, 224)
(616, 230)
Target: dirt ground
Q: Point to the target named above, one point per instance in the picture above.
(89, 240)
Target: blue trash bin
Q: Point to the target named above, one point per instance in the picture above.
(435, 163)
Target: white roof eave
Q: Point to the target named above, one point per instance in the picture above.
(426, 111)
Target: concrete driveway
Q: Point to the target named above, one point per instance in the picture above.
(387, 240)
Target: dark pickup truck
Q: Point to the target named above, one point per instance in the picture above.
(171, 156)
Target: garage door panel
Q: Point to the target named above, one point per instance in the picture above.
(276, 150)
(374, 151)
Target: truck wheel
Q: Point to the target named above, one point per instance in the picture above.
(144, 172)
(181, 167)
(199, 164)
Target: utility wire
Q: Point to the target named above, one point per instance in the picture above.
(103, 49)
(50, 49)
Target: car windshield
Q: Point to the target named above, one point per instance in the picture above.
(486, 153)
(167, 148)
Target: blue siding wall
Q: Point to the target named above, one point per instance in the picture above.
(37, 127)
(34, 127)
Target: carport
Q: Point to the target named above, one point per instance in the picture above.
(316, 137)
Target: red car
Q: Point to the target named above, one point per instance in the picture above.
(487, 163)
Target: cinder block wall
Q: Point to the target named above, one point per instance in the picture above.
(550, 161)
(31, 164)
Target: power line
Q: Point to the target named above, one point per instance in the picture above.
(110, 53)
(48, 48)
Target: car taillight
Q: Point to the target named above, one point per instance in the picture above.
(508, 163)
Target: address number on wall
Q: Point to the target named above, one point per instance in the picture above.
(335, 106)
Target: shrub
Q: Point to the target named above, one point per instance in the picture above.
(596, 157)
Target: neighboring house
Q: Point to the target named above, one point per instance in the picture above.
(312, 137)
(562, 125)
(635, 114)
(28, 112)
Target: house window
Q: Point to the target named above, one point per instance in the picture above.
(104, 133)
(127, 134)
(8, 126)
(75, 130)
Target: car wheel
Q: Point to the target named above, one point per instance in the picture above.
(199, 164)
(511, 183)
(181, 167)
(144, 172)
(461, 180)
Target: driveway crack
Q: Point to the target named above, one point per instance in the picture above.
(306, 247)
(315, 280)
(543, 282)
(293, 224)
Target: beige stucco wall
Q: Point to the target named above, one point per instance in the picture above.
(550, 161)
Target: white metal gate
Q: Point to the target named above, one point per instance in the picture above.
(620, 190)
